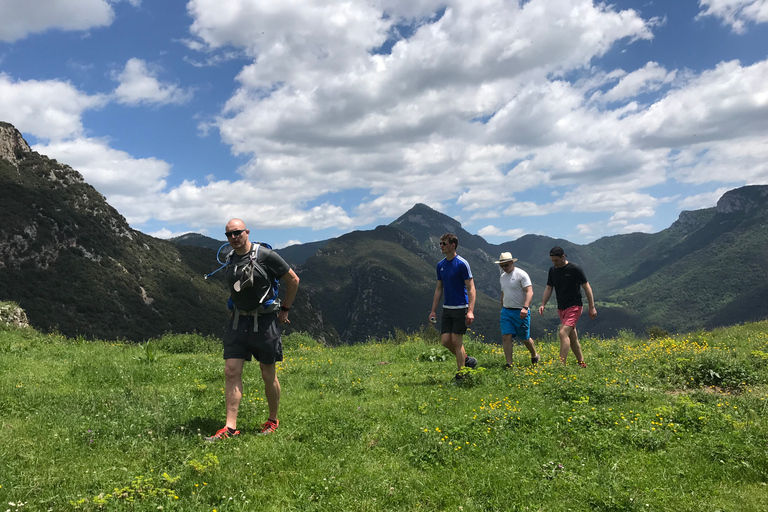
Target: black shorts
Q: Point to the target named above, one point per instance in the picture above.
(454, 321)
(265, 344)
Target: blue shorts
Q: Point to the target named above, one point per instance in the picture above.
(511, 323)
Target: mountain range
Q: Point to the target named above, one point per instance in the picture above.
(75, 266)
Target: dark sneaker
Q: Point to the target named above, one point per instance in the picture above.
(470, 362)
(507, 366)
(535, 359)
(269, 427)
(459, 378)
(582, 364)
(222, 433)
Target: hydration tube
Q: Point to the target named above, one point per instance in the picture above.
(223, 263)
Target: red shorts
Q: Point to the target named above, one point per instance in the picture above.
(570, 316)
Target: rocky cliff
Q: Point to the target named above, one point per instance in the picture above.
(12, 144)
(73, 263)
(747, 200)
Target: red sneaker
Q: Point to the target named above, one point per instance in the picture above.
(582, 364)
(222, 433)
(270, 426)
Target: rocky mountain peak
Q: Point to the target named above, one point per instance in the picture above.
(423, 222)
(12, 144)
(744, 199)
(690, 221)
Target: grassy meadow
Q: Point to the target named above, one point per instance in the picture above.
(674, 423)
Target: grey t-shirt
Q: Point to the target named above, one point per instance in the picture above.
(247, 299)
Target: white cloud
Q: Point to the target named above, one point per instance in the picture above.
(164, 233)
(139, 85)
(641, 211)
(744, 161)
(22, 18)
(594, 230)
(529, 209)
(48, 109)
(608, 199)
(726, 103)
(736, 13)
(699, 201)
(510, 234)
(471, 110)
(112, 172)
(650, 78)
(484, 198)
(316, 106)
(637, 228)
(289, 243)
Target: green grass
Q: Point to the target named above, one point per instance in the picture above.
(675, 423)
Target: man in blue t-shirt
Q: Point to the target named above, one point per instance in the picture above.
(454, 280)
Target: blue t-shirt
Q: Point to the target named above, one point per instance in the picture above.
(453, 273)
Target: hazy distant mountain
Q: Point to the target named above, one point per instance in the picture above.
(74, 265)
(709, 268)
(639, 279)
(198, 240)
(294, 254)
(299, 253)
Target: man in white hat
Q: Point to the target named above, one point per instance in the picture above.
(516, 298)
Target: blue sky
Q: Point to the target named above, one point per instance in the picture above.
(309, 119)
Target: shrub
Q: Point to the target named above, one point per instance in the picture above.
(298, 339)
(656, 332)
(716, 369)
(433, 355)
(691, 415)
(470, 376)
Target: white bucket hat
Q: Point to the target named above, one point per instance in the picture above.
(505, 257)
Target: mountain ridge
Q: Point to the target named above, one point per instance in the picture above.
(75, 265)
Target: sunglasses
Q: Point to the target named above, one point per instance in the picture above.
(234, 234)
(443, 243)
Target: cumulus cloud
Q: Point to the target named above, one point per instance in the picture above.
(139, 85)
(650, 78)
(48, 109)
(467, 104)
(530, 209)
(699, 201)
(482, 199)
(636, 228)
(510, 234)
(217, 202)
(165, 233)
(112, 172)
(289, 243)
(728, 102)
(594, 230)
(736, 13)
(30, 16)
(319, 104)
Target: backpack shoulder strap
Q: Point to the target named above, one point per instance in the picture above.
(254, 252)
